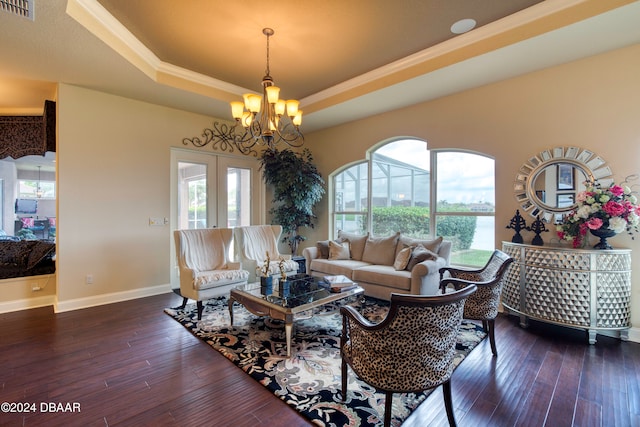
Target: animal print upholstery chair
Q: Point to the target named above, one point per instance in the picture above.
(411, 350)
(483, 305)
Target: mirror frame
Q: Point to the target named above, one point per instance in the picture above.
(593, 166)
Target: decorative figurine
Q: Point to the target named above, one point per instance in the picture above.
(517, 223)
(537, 227)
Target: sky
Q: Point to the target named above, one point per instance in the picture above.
(463, 177)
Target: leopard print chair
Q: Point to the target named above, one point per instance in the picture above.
(483, 305)
(411, 350)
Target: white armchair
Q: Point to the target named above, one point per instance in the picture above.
(252, 244)
(204, 266)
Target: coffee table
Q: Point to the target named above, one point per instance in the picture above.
(288, 305)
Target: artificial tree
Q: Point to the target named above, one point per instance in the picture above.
(297, 188)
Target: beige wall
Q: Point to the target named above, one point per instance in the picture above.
(113, 172)
(592, 103)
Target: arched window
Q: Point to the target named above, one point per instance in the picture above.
(406, 187)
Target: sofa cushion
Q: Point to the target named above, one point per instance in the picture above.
(432, 245)
(356, 241)
(339, 250)
(402, 259)
(384, 275)
(380, 250)
(335, 267)
(420, 254)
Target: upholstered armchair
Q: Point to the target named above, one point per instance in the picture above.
(252, 245)
(204, 266)
(483, 305)
(411, 350)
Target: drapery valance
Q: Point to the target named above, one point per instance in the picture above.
(28, 135)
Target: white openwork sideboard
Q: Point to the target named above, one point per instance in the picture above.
(580, 288)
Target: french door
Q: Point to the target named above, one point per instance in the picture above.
(210, 190)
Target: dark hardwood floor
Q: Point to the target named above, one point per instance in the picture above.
(129, 364)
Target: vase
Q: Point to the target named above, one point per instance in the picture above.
(266, 285)
(603, 234)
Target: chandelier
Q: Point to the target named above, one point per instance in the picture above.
(263, 120)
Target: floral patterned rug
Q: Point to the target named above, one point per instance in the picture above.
(309, 381)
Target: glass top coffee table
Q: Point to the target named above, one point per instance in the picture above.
(302, 295)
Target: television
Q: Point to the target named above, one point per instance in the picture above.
(26, 206)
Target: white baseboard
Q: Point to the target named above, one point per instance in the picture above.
(27, 303)
(76, 304)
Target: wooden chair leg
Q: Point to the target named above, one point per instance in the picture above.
(344, 380)
(448, 402)
(184, 304)
(492, 337)
(388, 401)
(200, 309)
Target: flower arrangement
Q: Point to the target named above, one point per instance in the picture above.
(614, 208)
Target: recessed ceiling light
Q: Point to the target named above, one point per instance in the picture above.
(463, 25)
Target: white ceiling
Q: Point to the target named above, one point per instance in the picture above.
(343, 59)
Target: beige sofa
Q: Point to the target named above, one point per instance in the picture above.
(376, 264)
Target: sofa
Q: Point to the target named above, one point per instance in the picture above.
(26, 258)
(381, 265)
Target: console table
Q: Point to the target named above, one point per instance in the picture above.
(581, 288)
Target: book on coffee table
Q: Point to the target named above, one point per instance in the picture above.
(339, 283)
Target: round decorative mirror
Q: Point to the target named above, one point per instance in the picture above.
(547, 184)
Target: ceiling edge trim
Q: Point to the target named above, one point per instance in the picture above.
(533, 21)
(97, 20)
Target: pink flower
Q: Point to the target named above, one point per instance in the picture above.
(583, 229)
(577, 241)
(614, 208)
(594, 223)
(616, 190)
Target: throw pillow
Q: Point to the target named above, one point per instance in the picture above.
(432, 245)
(419, 254)
(356, 242)
(323, 249)
(380, 250)
(339, 250)
(403, 258)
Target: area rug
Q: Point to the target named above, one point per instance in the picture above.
(310, 380)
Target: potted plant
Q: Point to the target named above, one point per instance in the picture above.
(297, 188)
